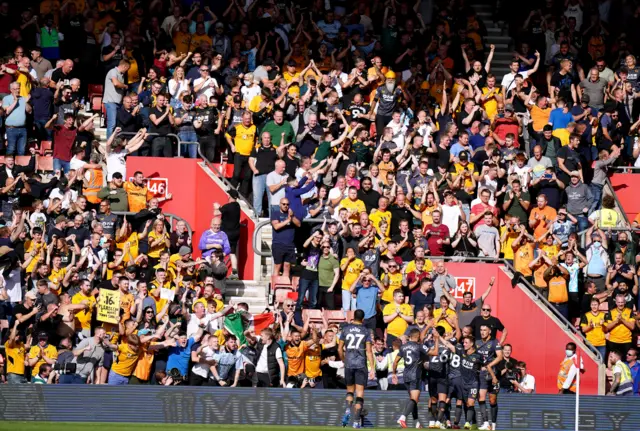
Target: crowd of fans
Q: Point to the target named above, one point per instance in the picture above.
(383, 119)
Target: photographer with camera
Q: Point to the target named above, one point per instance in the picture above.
(64, 365)
(505, 369)
(524, 383)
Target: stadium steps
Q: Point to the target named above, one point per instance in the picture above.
(496, 35)
(251, 292)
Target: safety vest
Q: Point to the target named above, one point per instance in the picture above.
(565, 366)
(93, 184)
(626, 379)
(608, 218)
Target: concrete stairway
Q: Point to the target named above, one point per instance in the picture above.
(498, 36)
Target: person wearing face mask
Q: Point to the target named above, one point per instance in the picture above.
(569, 368)
(598, 258)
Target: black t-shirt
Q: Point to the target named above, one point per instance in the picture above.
(165, 125)
(444, 157)
(113, 61)
(398, 214)
(563, 83)
(492, 322)
(571, 160)
(21, 309)
(58, 75)
(209, 118)
(369, 198)
(291, 165)
(265, 159)
(230, 221)
(312, 257)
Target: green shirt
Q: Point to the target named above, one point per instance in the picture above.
(323, 152)
(326, 268)
(363, 152)
(276, 132)
(516, 209)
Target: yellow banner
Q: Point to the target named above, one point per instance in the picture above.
(109, 306)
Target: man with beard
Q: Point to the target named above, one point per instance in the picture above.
(386, 99)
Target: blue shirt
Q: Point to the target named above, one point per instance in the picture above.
(366, 298)
(476, 141)
(179, 357)
(42, 102)
(286, 234)
(635, 374)
(559, 119)
(457, 148)
(17, 117)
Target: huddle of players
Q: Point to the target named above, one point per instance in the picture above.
(459, 368)
(456, 370)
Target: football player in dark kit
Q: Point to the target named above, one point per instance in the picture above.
(469, 363)
(354, 349)
(413, 353)
(438, 382)
(491, 352)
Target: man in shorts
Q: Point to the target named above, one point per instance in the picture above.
(413, 354)
(284, 225)
(354, 349)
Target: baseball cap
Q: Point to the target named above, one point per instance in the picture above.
(184, 250)
(463, 155)
(30, 295)
(43, 335)
(132, 268)
(509, 107)
(586, 98)
(219, 25)
(574, 174)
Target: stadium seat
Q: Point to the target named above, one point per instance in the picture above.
(46, 148)
(604, 306)
(335, 316)
(314, 316)
(281, 288)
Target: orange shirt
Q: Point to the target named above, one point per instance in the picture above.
(137, 196)
(295, 357)
(522, 257)
(539, 117)
(542, 226)
(143, 367)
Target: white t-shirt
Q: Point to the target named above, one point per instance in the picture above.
(117, 162)
(399, 130)
(202, 370)
(76, 163)
(335, 193)
(509, 79)
(248, 93)
(208, 89)
(451, 218)
(274, 178)
(262, 365)
(13, 285)
(194, 323)
(529, 382)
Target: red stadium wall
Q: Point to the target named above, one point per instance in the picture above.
(536, 339)
(194, 194)
(626, 187)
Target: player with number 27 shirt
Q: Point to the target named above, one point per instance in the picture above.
(354, 348)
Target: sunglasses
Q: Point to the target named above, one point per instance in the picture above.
(149, 311)
(486, 309)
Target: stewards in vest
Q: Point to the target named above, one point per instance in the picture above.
(607, 216)
(622, 379)
(569, 368)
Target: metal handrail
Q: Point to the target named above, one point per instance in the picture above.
(264, 223)
(226, 182)
(536, 293)
(172, 218)
(625, 169)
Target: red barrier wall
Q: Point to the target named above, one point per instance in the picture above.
(194, 193)
(626, 187)
(536, 339)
